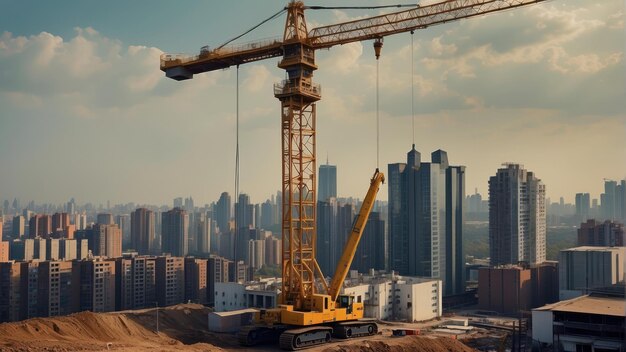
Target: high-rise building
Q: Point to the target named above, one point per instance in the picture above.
(398, 241)
(136, 278)
(583, 206)
(222, 212)
(107, 240)
(268, 216)
(244, 212)
(345, 218)
(613, 201)
(196, 280)
(170, 280)
(13, 302)
(39, 225)
(97, 285)
(328, 182)
(123, 222)
(60, 221)
(105, 219)
(80, 221)
(273, 254)
(189, 206)
(426, 219)
(142, 224)
(203, 232)
(256, 253)
(517, 217)
(370, 253)
(326, 234)
(19, 225)
(174, 232)
(178, 202)
(603, 234)
(58, 289)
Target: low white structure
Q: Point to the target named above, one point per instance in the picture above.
(393, 297)
(230, 321)
(259, 294)
(586, 323)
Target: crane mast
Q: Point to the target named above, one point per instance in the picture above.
(301, 305)
(297, 95)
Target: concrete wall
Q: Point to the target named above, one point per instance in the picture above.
(229, 296)
(542, 326)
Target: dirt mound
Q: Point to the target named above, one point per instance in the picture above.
(88, 331)
(404, 344)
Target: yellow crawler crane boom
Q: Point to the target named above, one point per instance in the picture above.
(343, 266)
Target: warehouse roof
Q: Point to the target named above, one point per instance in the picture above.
(599, 305)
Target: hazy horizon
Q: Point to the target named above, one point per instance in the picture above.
(85, 111)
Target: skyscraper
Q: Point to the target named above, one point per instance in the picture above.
(370, 253)
(174, 232)
(328, 182)
(613, 201)
(142, 224)
(517, 217)
(326, 234)
(583, 206)
(426, 219)
(222, 212)
(244, 212)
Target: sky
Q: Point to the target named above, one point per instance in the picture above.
(86, 113)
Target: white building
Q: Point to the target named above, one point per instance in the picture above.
(233, 296)
(393, 297)
(586, 323)
(584, 268)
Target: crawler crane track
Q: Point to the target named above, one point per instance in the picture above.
(297, 339)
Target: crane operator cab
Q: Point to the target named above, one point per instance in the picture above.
(347, 302)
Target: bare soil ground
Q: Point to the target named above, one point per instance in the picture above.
(181, 328)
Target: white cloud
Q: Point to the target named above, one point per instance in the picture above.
(257, 78)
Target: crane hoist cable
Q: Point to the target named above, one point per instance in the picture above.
(378, 44)
(236, 157)
(412, 89)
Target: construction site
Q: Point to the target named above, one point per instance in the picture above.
(184, 327)
(311, 313)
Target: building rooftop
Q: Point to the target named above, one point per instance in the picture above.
(599, 305)
(235, 312)
(594, 249)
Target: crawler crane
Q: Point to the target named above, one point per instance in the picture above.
(306, 317)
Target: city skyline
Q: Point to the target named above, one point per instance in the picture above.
(83, 93)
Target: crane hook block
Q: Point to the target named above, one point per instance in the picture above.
(378, 44)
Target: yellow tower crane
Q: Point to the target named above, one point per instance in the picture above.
(306, 317)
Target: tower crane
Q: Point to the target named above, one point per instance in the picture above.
(306, 317)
